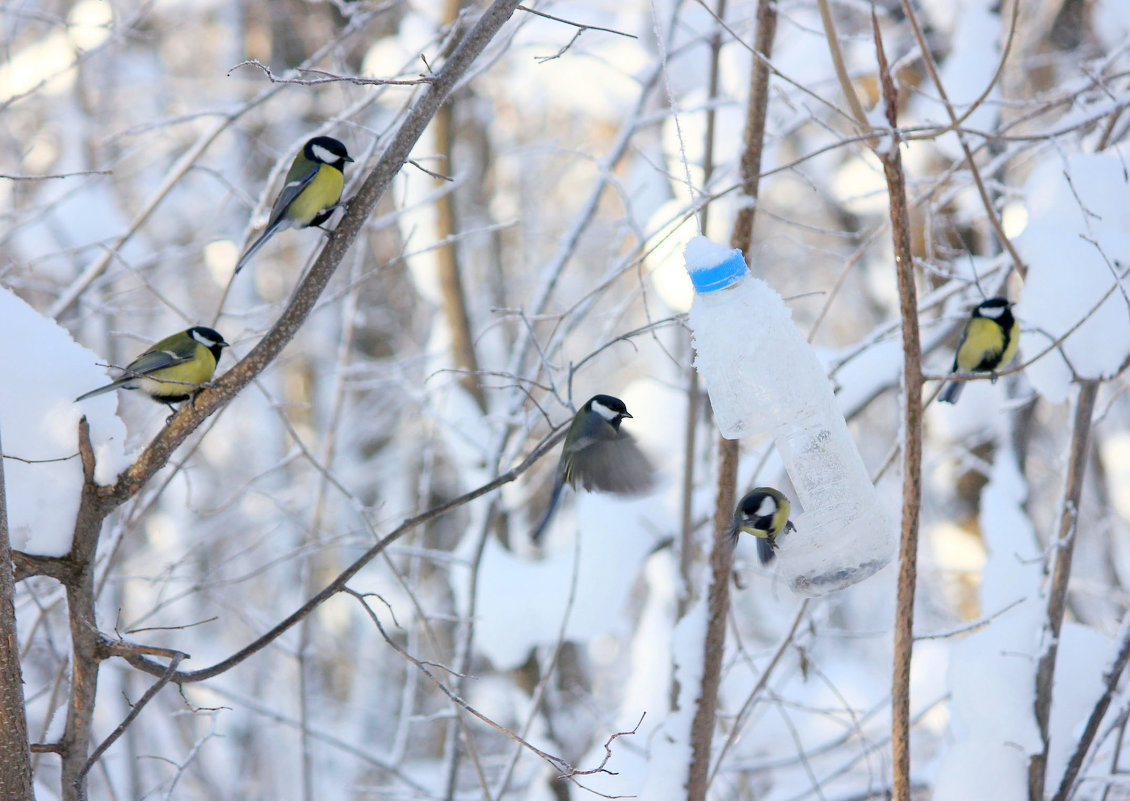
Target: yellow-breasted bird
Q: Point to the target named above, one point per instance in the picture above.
(172, 370)
(764, 513)
(987, 344)
(599, 456)
(312, 191)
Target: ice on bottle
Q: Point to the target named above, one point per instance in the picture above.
(763, 376)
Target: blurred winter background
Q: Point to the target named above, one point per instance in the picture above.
(139, 156)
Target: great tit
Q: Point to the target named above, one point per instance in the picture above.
(311, 193)
(599, 456)
(988, 343)
(172, 370)
(764, 513)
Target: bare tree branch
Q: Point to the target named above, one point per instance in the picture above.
(15, 758)
(1110, 680)
(1057, 589)
(135, 710)
(846, 86)
(450, 265)
(986, 201)
(722, 551)
(912, 435)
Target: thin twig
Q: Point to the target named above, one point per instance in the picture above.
(581, 28)
(135, 710)
(562, 766)
(762, 680)
(580, 25)
(986, 201)
(968, 627)
(846, 86)
(39, 461)
(54, 176)
(329, 77)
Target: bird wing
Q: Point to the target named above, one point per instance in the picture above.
(145, 364)
(611, 465)
(299, 177)
(153, 360)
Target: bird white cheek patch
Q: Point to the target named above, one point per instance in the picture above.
(767, 507)
(604, 411)
(322, 154)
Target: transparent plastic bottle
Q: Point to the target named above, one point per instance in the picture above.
(763, 376)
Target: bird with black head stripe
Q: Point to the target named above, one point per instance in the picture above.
(988, 343)
(173, 369)
(764, 513)
(598, 456)
(312, 191)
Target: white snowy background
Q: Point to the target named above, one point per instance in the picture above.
(571, 185)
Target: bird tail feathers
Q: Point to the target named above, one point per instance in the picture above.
(258, 243)
(558, 485)
(951, 392)
(99, 391)
(765, 550)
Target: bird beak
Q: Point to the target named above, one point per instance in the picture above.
(347, 158)
(625, 414)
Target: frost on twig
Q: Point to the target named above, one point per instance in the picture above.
(320, 76)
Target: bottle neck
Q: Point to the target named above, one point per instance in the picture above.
(723, 275)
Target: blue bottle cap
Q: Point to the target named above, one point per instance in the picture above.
(721, 275)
